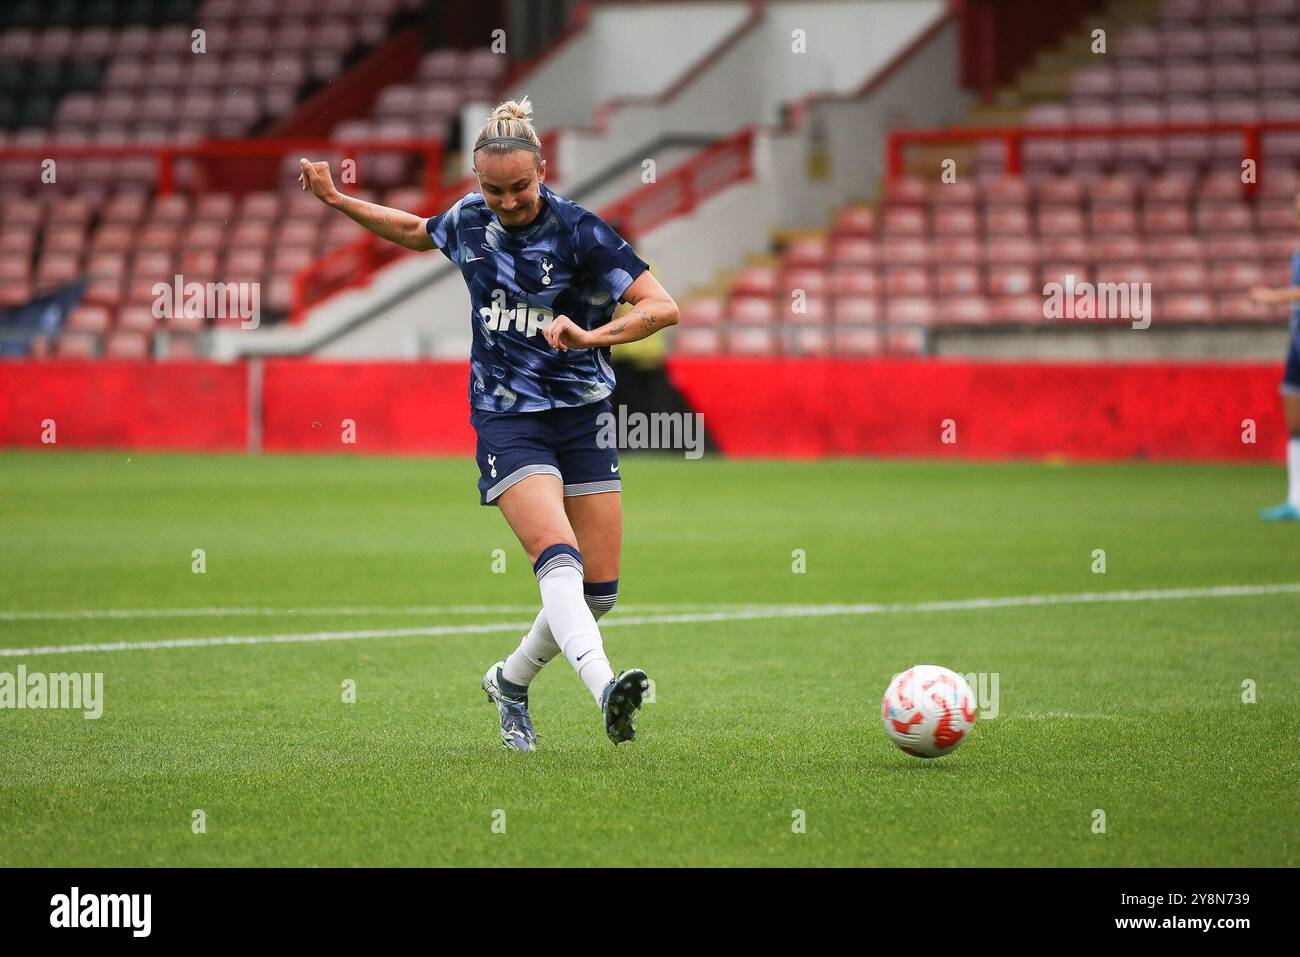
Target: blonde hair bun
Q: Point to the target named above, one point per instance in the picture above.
(512, 110)
(509, 119)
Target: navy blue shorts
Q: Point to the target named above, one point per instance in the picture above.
(1291, 377)
(559, 442)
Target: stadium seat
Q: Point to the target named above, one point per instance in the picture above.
(907, 281)
(1236, 276)
(1017, 309)
(1058, 271)
(1122, 248)
(1119, 272)
(856, 341)
(966, 310)
(910, 310)
(1006, 191)
(1181, 277)
(859, 221)
(1187, 307)
(958, 250)
(755, 281)
(810, 340)
(810, 311)
(88, 318)
(1013, 251)
(956, 221)
(1112, 220)
(697, 341)
(1218, 217)
(751, 340)
(953, 281)
(855, 282)
(857, 310)
(904, 222)
(751, 310)
(707, 311)
(1002, 221)
(812, 282)
(1011, 279)
(906, 252)
(904, 191)
(1057, 220)
(1166, 218)
(1230, 248)
(131, 344)
(806, 252)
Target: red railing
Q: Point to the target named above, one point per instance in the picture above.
(235, 165)
(1013, 138)
(712, 169)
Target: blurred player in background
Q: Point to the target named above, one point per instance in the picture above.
(1290, 509)
(544, 276)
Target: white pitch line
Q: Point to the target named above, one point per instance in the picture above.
(737, 614)
(127, 613)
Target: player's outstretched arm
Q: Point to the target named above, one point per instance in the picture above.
(1272, 296)
(653, 309)
(405, 229)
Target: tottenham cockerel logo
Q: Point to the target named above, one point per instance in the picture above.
(547, 266)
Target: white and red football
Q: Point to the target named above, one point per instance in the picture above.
(928, 710)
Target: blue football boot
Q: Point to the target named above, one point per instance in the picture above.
(1286, 512)
(517, 732)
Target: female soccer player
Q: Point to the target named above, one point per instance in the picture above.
(544, 276)
(1289, 511)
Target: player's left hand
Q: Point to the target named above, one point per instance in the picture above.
(564, 334)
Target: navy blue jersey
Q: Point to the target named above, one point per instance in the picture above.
(568, 262)
(1295, 303)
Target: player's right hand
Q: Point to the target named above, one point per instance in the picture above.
(316, 177)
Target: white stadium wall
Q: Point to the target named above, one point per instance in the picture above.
(846, 44)
(432, 319)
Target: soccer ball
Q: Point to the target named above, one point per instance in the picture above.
(928, 710)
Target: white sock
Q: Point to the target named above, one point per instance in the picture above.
(559, 578)
(538, 646)
(1293, 470)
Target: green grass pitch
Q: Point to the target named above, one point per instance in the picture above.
(1133, 708)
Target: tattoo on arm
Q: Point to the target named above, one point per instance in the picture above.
(647, 320)
(616, 328)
